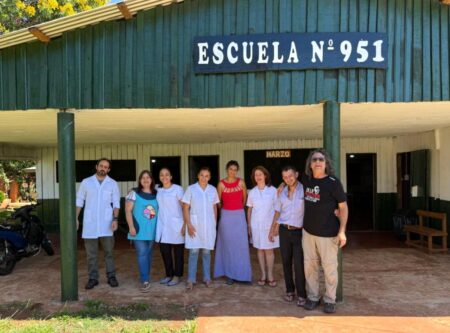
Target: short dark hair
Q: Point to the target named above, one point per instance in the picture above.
(264, 171)
(288, 168)
(231, 163)
(204, 168)
(165, 168)
(103, 159)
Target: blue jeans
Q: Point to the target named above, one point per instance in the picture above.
(192, 266)
(144, 249)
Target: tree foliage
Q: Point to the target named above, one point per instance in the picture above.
(18, 14)
(14, 170)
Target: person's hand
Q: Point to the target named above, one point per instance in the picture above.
(132, 231)
(337, 213)
(280, 188)
(78, 224)
(191, 230)
(342, 239)
(249, 228)
(183, 230)
(272, 234)
(114, 225)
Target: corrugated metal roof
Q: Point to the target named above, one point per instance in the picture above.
(57, 27)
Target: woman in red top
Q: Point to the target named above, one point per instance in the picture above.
(232, 258)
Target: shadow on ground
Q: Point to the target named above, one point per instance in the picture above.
(387, 284)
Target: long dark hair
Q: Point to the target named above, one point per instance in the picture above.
(329, 169)
(139, 187)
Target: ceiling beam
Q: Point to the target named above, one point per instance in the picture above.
(124, 10)
(39, 34)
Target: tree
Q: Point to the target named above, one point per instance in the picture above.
(18, 14)
(14, 176)
(14, 170)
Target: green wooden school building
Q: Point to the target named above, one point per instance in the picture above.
(199, 82)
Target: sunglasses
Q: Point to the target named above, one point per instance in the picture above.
(318, 159)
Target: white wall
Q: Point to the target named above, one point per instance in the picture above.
(443, 156)
(46, 173)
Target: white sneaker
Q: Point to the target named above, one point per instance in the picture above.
(145, 288)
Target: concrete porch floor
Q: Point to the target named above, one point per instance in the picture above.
(387, 288)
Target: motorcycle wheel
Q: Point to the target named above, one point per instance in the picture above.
(7, 260)
(48, 248)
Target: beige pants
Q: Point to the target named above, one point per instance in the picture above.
(320, 251)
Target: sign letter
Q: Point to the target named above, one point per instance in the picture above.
(276, 57)
(202, 56)
(218, 53)
(317, 51)
(262, 50)
(231, 58)
(293, 57)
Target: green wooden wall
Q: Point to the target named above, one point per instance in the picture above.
(146, 62)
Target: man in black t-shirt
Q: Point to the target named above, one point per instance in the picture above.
(323, 232)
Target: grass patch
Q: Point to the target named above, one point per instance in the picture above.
(96, 316)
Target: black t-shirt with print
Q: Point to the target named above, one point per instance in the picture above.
(321, 199)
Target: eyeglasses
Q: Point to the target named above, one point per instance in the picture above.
(318, 159)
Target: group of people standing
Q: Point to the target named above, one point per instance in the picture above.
(306, 220)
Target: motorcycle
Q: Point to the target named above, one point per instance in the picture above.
(23, 239)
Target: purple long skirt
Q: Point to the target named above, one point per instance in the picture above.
(232, 257)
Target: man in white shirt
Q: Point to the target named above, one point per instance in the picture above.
(100, 196)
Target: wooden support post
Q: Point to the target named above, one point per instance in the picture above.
(332, 143)
(67, 211)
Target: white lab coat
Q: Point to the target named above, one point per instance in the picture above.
(263, 209)
(170, 215)
(202, 216)
(99, 202)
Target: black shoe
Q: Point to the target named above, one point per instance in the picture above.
(91, 284)
(329, 308)
(229, 281)
(112, 281)
(310, 305)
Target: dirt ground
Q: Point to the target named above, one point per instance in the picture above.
(387, 288)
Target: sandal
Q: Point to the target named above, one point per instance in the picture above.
(261, 282)
(272, 283)
(289, 297)
(208, 283)
(189, 286)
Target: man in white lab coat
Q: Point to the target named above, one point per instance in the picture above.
(100, 196)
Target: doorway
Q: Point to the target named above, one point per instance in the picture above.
(413, 180)
(173, 163)
(361, 191)
(197, 162)
(274, 161)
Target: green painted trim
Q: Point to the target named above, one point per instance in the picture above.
(48, 213)
(149, 62)
(384, 208)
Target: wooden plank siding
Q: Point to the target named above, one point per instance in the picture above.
(385, 148)
(146, 62)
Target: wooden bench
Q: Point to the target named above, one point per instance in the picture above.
(426, 231)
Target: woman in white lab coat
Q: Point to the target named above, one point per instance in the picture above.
(200, 217)
(169, 228)
(261, 209)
